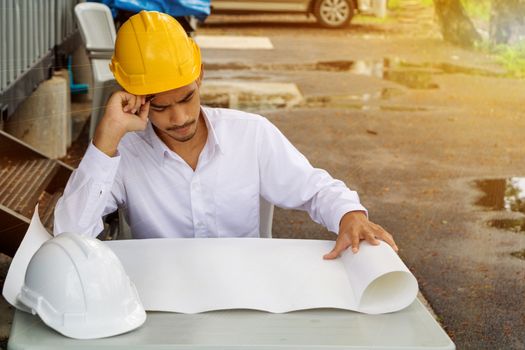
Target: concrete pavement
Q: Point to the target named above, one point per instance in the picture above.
(411, 136)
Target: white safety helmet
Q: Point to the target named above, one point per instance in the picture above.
(78, 287)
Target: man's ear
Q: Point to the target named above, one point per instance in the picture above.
(201, 75)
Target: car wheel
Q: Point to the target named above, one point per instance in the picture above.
(334, 13)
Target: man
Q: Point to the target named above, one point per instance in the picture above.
(182, 170)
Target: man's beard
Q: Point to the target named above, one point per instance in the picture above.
(184, 138)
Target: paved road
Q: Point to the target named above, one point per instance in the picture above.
(397, 115)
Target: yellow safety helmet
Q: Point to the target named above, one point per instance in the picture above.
(153, 54)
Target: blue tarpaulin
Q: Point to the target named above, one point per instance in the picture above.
(175, 8)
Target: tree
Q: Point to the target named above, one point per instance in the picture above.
(456, 26)
(507, 24)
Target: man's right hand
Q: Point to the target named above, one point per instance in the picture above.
(124, 113)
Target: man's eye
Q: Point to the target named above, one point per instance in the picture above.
(188, 99)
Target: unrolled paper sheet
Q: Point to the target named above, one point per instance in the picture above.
(275, 275)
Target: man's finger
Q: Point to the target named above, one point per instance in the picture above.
(139, 120)
(387, 237)
(126, 104)
(355, 242)
(144, 111)
(136, 104)
(370, 237)
(338, 249)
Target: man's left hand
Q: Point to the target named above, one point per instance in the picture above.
(355, 227)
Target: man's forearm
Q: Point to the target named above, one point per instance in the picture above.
(87, 196)
(107, 140)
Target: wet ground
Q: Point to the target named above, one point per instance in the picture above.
(430, 135)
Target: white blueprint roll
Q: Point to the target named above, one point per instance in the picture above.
(274, 275)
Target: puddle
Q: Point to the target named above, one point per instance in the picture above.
(361, 102)
(387, 93)
(450, 68)
(245, 90)
(519, 254)
(412, 79)
(251, 95)
(503, 194)
(410, 75)
(514, 225)
(507, 195)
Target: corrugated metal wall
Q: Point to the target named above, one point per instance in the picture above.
(29, 31)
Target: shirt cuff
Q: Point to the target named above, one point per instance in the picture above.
(99, 166)
(340, 212)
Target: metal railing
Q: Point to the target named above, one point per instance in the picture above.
(33, 36)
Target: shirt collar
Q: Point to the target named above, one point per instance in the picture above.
(213, 140)
(160, 149)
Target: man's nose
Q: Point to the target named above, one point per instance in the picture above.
(178, 115)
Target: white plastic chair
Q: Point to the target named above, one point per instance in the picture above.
(98, 33)
(266, 218)
(265, 221)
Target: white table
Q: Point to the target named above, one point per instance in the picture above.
(410, 329)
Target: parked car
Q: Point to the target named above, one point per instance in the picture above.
(329, 13)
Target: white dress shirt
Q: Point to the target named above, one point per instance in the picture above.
(245, 156)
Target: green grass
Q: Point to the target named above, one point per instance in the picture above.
(395, 4)
(479, 9)
(512, 58)
(367, 19)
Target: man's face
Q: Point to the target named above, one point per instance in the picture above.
(175, 113)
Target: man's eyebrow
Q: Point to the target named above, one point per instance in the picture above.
(185, 98)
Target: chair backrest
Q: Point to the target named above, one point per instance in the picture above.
(96, 26)
(266, 220)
